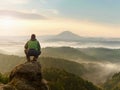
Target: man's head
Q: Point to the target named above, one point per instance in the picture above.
(33, 36)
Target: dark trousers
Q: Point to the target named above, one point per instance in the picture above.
(32, 52)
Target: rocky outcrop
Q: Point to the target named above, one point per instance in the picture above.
(27, 76)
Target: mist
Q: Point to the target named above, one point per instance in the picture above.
(98, 73)
(15, 45)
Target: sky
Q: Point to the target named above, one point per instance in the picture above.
(88, 18)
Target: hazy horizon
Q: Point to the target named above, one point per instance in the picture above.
(54, 34)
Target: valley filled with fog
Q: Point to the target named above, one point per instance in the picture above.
(99, 56)
(15, 44)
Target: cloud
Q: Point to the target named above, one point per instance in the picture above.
(43, 1)
(14, 1)
(21, 15)
(49, 12)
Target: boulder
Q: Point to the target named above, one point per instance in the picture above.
(27, 76)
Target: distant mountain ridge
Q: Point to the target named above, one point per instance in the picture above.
(72, 37)
(63, 36)
(68, 35)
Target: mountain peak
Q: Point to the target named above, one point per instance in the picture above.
(65, 36)
(68, 34)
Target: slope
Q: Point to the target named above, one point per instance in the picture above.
(113, 83)
(62, 80)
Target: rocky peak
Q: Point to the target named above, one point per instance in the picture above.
(27, 76)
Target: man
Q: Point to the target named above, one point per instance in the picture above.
(32, 48)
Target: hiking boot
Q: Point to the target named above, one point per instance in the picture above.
(34, 59)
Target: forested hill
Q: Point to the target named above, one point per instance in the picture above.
(59, 80)
(113, 83)
(78, 54)
(7, 62)
(62, 80)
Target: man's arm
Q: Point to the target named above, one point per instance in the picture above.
(39, 47)
(26, 46)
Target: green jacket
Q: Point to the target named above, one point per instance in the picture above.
(33, 44)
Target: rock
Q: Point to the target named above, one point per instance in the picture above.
(27, 76)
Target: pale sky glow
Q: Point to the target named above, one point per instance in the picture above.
(91, 18)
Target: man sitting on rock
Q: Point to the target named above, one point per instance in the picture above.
(32, 48)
